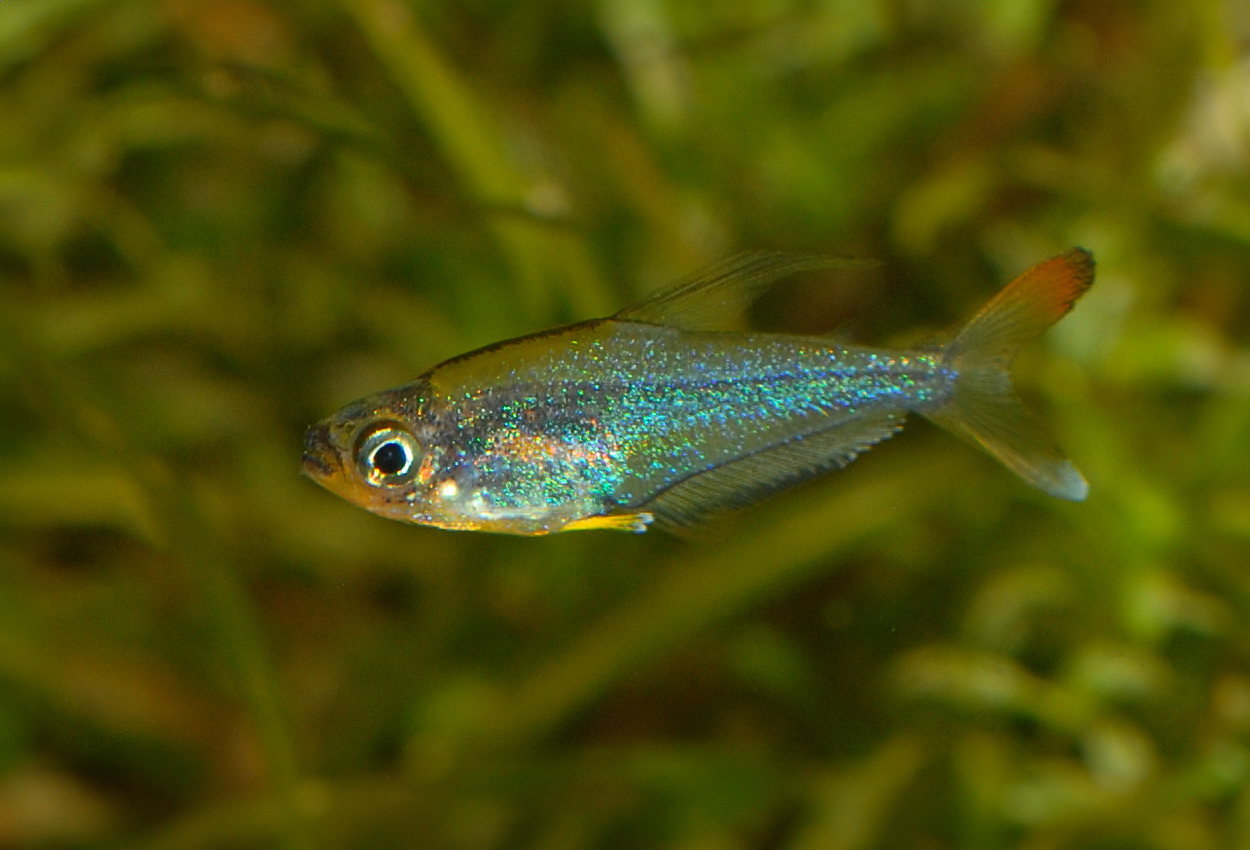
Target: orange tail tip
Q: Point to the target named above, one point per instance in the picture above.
(983, 407)
(1025, 308)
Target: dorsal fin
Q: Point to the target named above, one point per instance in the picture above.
(743, 482)
(717, 297)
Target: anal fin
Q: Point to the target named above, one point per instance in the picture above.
(743, 482)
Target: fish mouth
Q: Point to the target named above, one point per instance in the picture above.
(320, 460)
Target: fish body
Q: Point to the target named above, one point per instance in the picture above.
(651, 416)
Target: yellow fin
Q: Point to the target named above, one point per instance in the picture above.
(637, 523)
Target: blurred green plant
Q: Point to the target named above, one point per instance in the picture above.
(220, 220)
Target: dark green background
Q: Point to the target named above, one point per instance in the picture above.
(220, 221)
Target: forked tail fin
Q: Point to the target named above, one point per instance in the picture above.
(983, 407)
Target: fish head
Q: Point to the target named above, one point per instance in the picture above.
(373, 451)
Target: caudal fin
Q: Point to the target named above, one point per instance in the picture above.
(983, 407)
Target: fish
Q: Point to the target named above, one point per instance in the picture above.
(665, 415)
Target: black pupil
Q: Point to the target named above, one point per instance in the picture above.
(390, 458)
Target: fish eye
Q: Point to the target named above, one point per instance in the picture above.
(387, 455)
(391, 458)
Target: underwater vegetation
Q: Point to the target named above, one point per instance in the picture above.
(222, 220)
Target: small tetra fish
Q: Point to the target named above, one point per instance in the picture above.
(655, 415)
